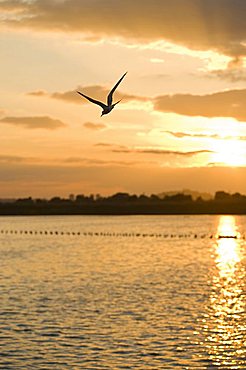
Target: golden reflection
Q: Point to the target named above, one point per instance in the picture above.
(228, 251)
(225, 322)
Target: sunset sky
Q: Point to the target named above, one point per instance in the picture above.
(182, 119)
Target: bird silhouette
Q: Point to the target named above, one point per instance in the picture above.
(106, 108)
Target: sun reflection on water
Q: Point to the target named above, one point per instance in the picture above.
(224, 324)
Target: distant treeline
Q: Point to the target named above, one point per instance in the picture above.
(126, 204)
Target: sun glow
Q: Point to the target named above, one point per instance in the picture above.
(229, 152)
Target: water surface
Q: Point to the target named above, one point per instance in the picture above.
(138, 292)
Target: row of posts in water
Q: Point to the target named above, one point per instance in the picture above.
(118, 234)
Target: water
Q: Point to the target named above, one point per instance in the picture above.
(108, 299)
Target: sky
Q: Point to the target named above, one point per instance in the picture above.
(182, 119)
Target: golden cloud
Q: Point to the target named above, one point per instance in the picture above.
(96, 91)
(181, 135)
(103, 144)
(221, 104)
(36, 122)
(197, 24)
(230, 74)
(11, 159)
(230, 103)
(23, 179)
(94, 126)
(163, 152)
(73, 161)
(38, 93)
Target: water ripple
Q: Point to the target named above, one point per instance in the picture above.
(118, 303)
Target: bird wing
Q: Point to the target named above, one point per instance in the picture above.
(93, 100)
(110, 95)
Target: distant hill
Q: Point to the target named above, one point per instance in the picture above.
(194, 194)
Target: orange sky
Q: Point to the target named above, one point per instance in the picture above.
(182, 120)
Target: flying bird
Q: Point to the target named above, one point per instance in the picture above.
(106, 108)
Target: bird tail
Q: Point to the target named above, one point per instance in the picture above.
(117, 102)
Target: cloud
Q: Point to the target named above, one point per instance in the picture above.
(197, 24)
(232, 75)
(36, 122)
(49, 180)
(38, 93)
(70, 161)
(163, 152)
(103, 144)
(13, 6)
(181, 135)
(221, 104)
(11, 159)
(113, 145)
(96, 91)
(19, 160)
(94, 126)
(96, 162)
(229, 103)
